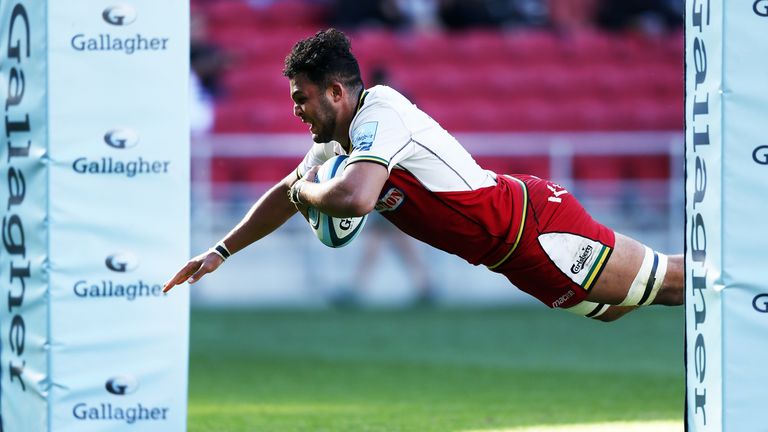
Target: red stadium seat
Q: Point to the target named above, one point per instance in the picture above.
(249, 116)
(478, 80)
(532, 47)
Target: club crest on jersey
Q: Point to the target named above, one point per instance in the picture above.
(390, 201)
(363, 136)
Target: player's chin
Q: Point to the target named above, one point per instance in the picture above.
(320, 138)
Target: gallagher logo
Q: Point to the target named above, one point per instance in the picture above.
(760, 303)
(121, 138)
(345, 224)
(122, 262)
(119, 15)
(122, 385)
(760, 7)
(760, 153)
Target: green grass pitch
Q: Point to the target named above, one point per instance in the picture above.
(430, 370)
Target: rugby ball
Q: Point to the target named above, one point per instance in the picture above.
(332, 231)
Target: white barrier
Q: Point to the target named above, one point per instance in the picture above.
(727, 176)
(97, 210)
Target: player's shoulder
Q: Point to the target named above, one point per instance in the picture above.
(385, 93)
(382, 98)
(382, 103)
(325, 148)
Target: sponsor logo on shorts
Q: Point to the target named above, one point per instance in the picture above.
(563, 298)
(584, 257)
(760, 303)
(390, 201)
(556, 190)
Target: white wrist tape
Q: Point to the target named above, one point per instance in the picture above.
(588, 309)
(648, 281)
(221, 250)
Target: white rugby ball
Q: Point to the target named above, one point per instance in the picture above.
(332, 231)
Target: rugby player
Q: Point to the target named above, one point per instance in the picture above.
(404, 165)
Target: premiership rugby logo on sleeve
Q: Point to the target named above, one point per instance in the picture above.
(363, 136)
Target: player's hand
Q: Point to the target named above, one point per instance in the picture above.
(195, 268)
(311, 175)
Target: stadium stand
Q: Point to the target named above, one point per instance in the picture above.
(480, 80)
(492, 69)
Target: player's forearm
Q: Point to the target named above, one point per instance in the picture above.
(266, 215)
(353, 194)
(336, 198)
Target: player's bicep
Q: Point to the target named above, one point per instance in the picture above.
(364, 179)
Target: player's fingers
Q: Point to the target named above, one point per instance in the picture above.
(183, 274)
(210, 263)
(312, 173)
(202, 271)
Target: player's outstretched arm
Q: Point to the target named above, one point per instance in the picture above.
(269, 213)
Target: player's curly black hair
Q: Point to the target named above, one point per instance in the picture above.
(324, 57)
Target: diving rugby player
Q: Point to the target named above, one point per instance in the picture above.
(419, 177)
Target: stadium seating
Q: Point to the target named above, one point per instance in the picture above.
(475, 81)
(630, 74)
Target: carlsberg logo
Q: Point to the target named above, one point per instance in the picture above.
(586, 254)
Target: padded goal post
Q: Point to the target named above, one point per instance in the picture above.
(95, 197)
(726, 207)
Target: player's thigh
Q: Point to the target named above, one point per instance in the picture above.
(614, 282)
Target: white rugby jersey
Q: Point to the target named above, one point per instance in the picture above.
(435, 192)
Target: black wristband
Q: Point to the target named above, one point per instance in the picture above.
(222, 250)
(294, 192)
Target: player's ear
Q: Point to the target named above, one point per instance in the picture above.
(337, 91)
